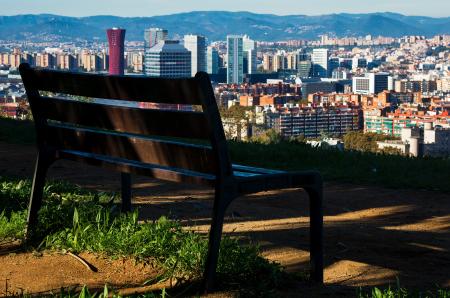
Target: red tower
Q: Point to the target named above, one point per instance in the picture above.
(116, 40)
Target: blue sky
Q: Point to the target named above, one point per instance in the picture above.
(435, 8)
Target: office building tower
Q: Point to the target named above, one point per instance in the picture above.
(168, 59)
(371, 83)
(304, 69)
(235, 59)
(320, 63)
(212, 60)
(154, 35)
(116, 40)
(250, 54)
(151, 37)
(333, 63)
(303, 56)
(196, 44)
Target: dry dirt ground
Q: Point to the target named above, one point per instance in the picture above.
(372, 234)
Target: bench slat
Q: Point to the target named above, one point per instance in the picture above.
(182, 124)
(146, 150)
(134, 88)
(127, 166)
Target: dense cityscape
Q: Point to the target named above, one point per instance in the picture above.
(155, 148)
(317, 90)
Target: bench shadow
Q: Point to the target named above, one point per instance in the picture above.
(372, 236)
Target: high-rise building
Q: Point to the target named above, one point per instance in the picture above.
(250, 54)
(196, 44)
(333, 63)
(46, 60)
(302, 56)
(151, 37)
(116, 40)
(212, 60)
(235, 59)
(135, 61)
(304, 69)
(278, 62)
(291, 61)
(371, 83)
(320, 63)
(168, 59)
(67, 61)
(267, 62)
(154, 35)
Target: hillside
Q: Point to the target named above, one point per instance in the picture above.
(216, 24)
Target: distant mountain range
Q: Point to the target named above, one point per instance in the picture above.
(215, 25)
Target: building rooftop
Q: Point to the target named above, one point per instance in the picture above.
(168, 46)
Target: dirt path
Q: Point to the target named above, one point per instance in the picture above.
(372, 234)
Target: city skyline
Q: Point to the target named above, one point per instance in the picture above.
(433, 8)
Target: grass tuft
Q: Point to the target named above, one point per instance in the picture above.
(77, 220)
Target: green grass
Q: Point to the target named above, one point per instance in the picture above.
(76, 220)
(400, 292)
(85, 293)
(347, 166)
(17, 131)
(355, 167)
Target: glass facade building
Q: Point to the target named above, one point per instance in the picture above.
(151, 38)
(235, 59)
(196, 44)
(168, 59)
(212, 60)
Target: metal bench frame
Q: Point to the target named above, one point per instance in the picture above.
(123, 139)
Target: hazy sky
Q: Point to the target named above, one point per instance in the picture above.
(436, 8)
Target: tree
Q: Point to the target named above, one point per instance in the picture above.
(366, 142)
(270, 136)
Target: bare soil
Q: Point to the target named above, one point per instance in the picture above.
(372, 234)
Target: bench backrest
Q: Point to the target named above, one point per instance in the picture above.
(154, 136)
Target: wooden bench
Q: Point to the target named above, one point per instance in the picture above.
(158, 143)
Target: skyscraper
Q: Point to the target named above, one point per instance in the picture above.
(250, 49)
(212, 60)
(304, 69)
(151, 37)
(196, 44)
(235, 59)
(116, 40)
(154, 35)
(168, 59)
(320, 63)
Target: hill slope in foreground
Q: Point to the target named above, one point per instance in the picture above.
(372, 234)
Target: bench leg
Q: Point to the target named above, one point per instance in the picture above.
(43, 162)
(215, 235)
(316, 230)
(126, 191)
